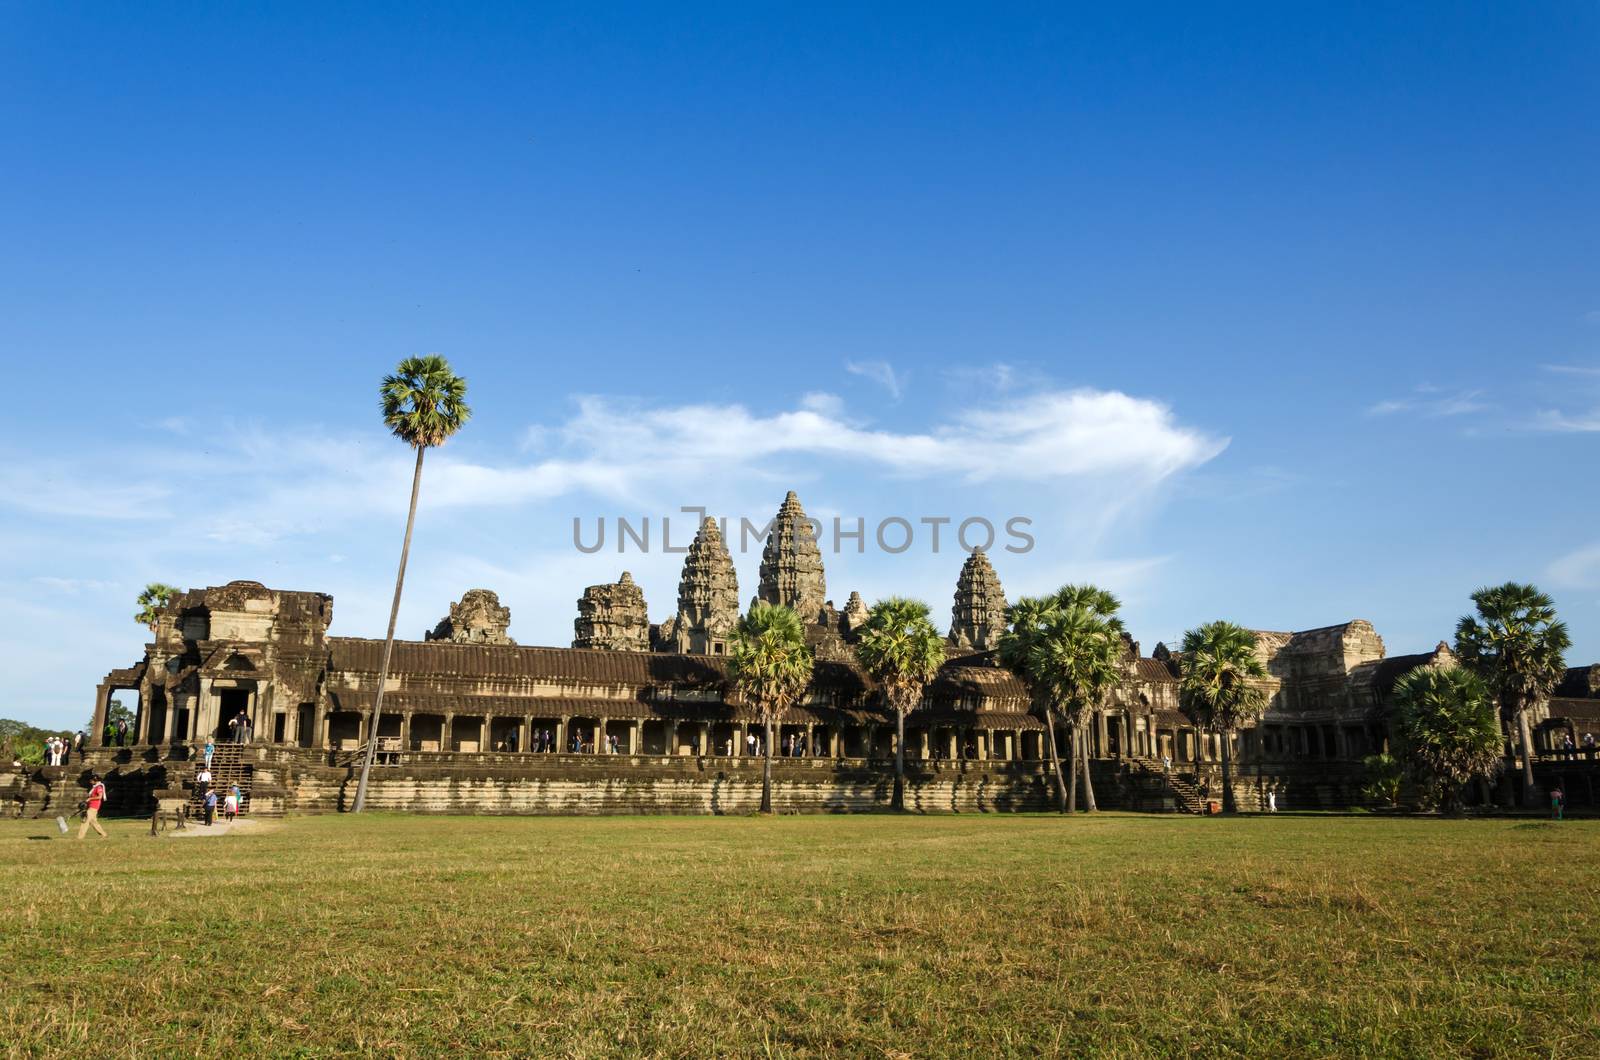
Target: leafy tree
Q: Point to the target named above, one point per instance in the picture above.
(770, 666)
(1517, 645)
(1448, 730)
(1385, 773)
(156, 595)
(116, 711)
(1068, 650)
(1220, 687)
(423, 404)
(902, 650)
(1026, 618)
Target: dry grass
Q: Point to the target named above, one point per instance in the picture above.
(881, 936)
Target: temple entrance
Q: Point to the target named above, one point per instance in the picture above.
(304, 723)
(232, 703)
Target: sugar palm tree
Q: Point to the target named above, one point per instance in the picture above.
(423, 403)
(1517, 645)
(155, 596)
(1025, 620)
(770, 666)
(902, 650)
(1448, 730)
(1097, 660)
(1220, 688)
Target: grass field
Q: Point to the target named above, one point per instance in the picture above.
(872, 935)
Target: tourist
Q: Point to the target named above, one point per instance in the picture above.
(203, 778)
(77, 743)
(1588, 744)
(111, 734)
(230, 805)
(50, 755)
(549, 741)
(1568, 748)
(210, 804)
(210, 750)
(242, 734)
(91, 808)
(750, 742)
(1557, 798)
(122, 731)
(1272, 801)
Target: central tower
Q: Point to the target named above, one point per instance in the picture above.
(791, 563)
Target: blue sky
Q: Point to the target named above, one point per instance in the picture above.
(1287, 314)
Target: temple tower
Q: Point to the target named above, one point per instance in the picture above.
(791, 563)
(708, 596)
(612, 616)
(477, 618)
(855, 613)
(979, 615)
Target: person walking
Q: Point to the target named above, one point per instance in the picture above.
(211, 807)
(203, 779)
(1272, 801)
(211, 749)
(1557, 798)
(77, 743)
(230, 805)
(91, 808)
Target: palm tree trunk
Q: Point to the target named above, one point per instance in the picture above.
(1062, 791)
(388, 642)
(1089, 805)
(766, 769)
(1228, 805)
(899, 802)
(1530, 791)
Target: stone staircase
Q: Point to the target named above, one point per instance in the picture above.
(1185, 796)
(228, 768)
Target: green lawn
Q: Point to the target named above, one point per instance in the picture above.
(869, 935)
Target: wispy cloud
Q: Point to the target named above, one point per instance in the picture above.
(1579, 569)
(1572, 369)
(1567, 423)
(1432, 403)
(880, 372)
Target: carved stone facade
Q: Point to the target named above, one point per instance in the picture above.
(708, 597)
(477, 618)
(613, 617)
(243, 648)
(791, 563)
(979, 615)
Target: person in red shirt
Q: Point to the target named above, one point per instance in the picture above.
(91, 816)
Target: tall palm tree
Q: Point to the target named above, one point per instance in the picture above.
(156, 595)
(1067, 648)
(1100, 644)
(1448, 730)
(902, 650)
(1221, 687)
(1517, 645)
(1026, 619)
(770, 666)
(423, 403)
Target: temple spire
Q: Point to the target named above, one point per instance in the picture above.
(979, 615)
(791, 563)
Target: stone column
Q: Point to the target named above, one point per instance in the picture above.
(405, 730)
(170, 720)
(739, 748)
(672, 738)
(447, 732)
(524, 733)
(599, 735)
(562, 746)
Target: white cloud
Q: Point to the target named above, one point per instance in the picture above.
(1571, 369)
(1551, 420)
(1577, 570)
(1432, 403)
(880, 372)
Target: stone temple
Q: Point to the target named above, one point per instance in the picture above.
(636, 717)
